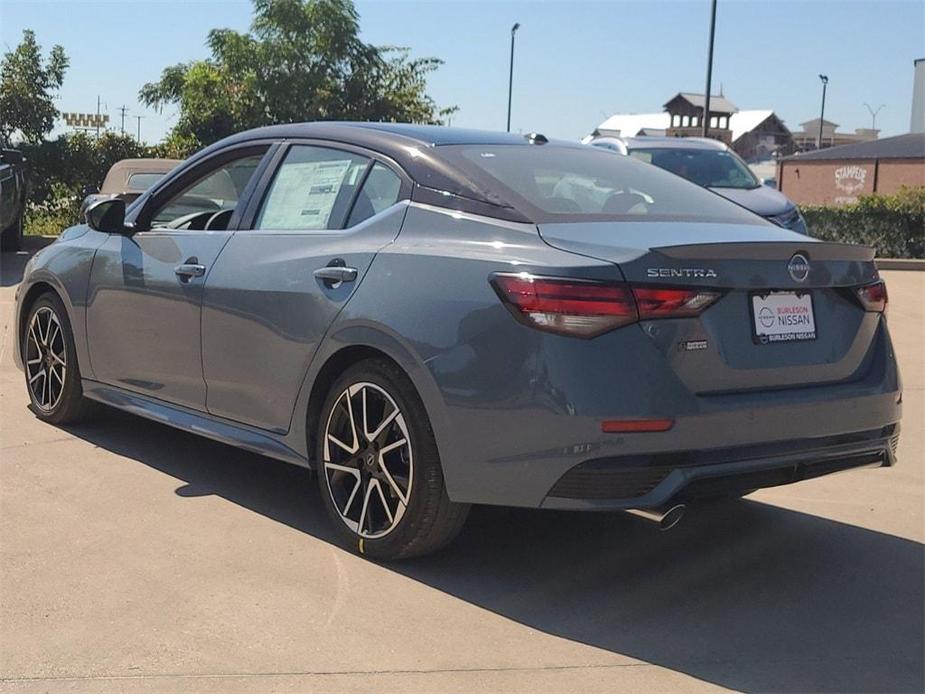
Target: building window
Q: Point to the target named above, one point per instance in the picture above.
(685, 121)
(712, 121)
(675, 120)
(694, 121)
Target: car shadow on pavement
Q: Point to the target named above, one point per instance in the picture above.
(13, 263)
(743, 595)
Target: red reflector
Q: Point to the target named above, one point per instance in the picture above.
(874, 297)
(569, 307)
(617, 426)
(657, 302)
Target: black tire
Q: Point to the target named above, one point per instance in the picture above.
(11, 239)
(390, 530)
(65, 403)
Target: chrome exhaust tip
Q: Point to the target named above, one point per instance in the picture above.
(666, 518)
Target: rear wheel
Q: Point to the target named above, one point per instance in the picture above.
(378, 467)
(50, 361)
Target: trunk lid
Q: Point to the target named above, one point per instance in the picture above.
(721, 350)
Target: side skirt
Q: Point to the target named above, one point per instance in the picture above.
(195, 422)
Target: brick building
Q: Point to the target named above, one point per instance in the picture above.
(839, 175)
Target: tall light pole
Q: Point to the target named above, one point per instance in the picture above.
(873, 114)
(825, 82)
(706, 97)
(510, 78)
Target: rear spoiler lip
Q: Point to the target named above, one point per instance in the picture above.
(769, 250)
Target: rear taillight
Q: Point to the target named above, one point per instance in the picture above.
(873, 297)
(654, 302)
(585, 308)
(568, 307)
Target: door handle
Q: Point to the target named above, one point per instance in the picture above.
(191, 268)
(333, 275)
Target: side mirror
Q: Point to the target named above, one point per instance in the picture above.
(108, 216)
(89, 190)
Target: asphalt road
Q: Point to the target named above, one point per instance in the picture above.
(138, 558)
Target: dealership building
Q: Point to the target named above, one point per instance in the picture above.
(839, 175)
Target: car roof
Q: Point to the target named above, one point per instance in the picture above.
(116, 180)
(673, 143)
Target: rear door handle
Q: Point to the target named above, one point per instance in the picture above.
(333, 275)
(191, 268)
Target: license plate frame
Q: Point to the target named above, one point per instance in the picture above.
(765, 329)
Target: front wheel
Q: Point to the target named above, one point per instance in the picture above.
(378, 466)
(50, 361)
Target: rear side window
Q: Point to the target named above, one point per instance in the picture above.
(311, 189)
(552, 183)
(380, 191)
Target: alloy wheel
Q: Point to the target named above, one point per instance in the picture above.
(368, 460)
(46, 359)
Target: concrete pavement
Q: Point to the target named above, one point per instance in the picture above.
(134, 557)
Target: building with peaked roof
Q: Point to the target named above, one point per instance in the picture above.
(838, 175)
(755, 134)
(805, 139)
(685, 110)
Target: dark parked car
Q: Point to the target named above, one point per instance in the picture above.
(432, 318)
(711, 164)
(12, 198)
(127, 179)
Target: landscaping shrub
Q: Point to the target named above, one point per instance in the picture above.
(893, 224)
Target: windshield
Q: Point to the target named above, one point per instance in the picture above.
(554, 183)
(710, 168)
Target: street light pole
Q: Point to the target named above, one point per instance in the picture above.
(706, 97)
(873, 114)
(825, 82)
(510, 79)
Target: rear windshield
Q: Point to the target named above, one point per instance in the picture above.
(552, 183)
(706, 167)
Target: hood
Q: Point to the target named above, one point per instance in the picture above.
(761, 200)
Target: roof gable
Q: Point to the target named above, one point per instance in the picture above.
(718, 104)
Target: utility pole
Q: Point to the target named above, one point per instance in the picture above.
(122, 110)
(510, 79)
(873, 114)
(706, 96)
(97, 116)
(138, 118)
(825, 82)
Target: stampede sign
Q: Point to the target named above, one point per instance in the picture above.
(850, 180)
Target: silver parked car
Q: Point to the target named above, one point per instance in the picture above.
(432, 318)
(711, 164)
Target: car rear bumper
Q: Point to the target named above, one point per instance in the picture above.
(655, 481)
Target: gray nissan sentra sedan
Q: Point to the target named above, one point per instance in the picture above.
(432, 318)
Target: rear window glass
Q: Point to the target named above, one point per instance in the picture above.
(143, 181)
(705, 167)
(560, 184)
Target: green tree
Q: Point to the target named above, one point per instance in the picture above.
(28, 85)
(302, 60)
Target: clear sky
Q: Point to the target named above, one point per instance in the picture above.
(576, 62)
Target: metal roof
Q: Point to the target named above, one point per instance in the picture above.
(718, 104)
(910, 146)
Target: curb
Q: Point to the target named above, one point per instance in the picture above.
(900, 264)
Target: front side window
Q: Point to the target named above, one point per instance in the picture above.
(551, 183)
(312, 189)
(215, 192)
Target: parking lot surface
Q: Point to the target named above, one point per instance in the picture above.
(134, 557)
